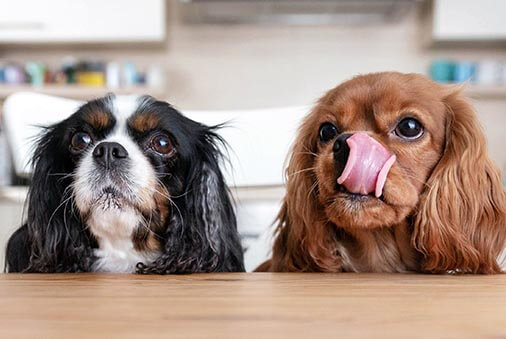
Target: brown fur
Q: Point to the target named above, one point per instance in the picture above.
(144, 122)
(443, 208)
(149, 237)
(145, 239)
(98, 119)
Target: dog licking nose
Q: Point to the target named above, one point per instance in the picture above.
(367, 164)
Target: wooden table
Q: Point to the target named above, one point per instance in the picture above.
(252, 305)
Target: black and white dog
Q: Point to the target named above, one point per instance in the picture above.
(127, 184)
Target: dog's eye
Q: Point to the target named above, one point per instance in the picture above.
(327, 132)
(161, 143)
(409, 129)
(80, 141)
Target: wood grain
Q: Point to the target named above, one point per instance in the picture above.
(252, 305)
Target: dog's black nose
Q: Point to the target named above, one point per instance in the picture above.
(341, 152)
(109, 153)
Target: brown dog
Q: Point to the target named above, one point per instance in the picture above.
(390, 173)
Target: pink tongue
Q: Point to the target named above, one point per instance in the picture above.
(367, 166)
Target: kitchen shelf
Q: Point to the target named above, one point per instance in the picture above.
(15, 194)
(79, 91)
(486, 92)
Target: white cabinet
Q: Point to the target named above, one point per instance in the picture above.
(71, 21)
(11, 210)
(469, 20)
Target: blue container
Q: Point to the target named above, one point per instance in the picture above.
(442, 71)
(36, 72)
(465, 71)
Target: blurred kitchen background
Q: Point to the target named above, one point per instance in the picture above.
(244, 55)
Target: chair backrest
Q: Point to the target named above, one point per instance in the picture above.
(259, 140)
(23, 115)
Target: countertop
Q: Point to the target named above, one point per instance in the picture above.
(252, 305)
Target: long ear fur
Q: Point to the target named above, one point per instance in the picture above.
(461, 220)
(203, 237)
(304, 242)
(54, 238)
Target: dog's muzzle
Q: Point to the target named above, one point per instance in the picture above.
(366, 163)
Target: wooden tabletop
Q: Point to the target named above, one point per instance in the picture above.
(252, 305)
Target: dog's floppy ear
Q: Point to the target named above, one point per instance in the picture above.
(211, 208)
(304, 242)
(203, 232)
(53, 238)
(460, 224)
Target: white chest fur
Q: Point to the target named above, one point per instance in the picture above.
(119, 256)
(113, 229)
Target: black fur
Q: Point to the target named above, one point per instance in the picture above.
(200, 234)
